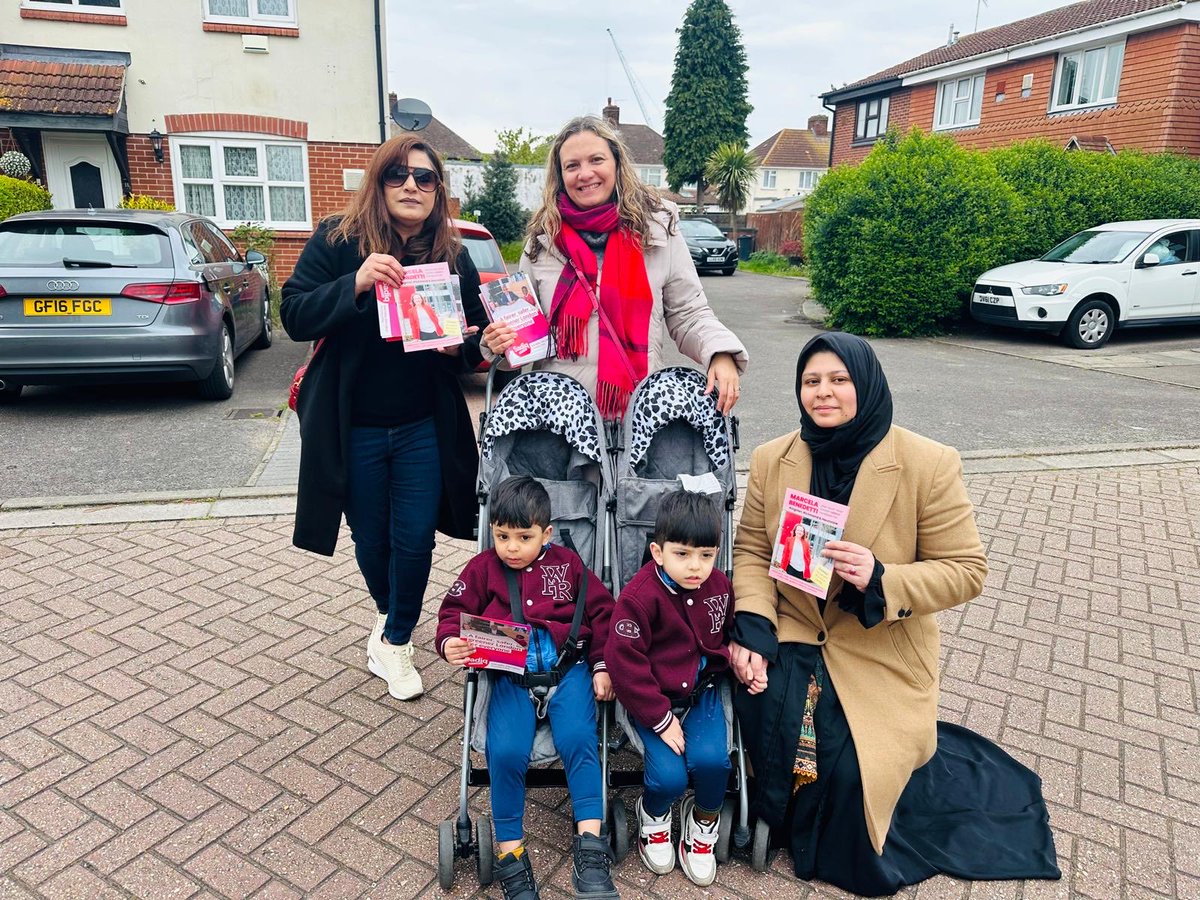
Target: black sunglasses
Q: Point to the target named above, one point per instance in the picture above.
(396, 176)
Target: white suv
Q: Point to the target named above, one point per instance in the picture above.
(1119, 274)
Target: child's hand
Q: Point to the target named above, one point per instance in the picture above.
(758, 684)
(673, 736)
(457, 651)
(602, 685)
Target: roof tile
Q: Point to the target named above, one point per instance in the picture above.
(794, 148)
(38, 86)
(1057, 21)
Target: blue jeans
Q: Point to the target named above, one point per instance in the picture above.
(511, 723)
(394, 489)
(705, 758)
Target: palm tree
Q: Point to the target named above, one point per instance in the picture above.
(731, 170)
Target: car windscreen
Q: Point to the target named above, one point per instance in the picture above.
(41, 244)
(1096, 247)
(484, 253)
(691, 228)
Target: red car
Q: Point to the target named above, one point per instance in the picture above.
(485, 253)
(484, 250)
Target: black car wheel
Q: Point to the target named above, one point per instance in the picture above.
(219, 383)
(730, 270)
(267, 335)
(10, 393)
(1090, 325)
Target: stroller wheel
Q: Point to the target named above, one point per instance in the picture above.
(724, 830)
(446, 854)
(760, 852)
(485, 858)
(618, 828)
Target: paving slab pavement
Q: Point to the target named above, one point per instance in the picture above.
(186, 710)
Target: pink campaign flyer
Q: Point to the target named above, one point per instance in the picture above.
(511, 300)
(495, 643)
(425, 311)
(806, 525)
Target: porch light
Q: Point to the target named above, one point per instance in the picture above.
(156, 142)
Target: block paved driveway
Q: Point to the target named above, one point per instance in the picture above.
(186, 711)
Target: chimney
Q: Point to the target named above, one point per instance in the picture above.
(818, 125)
(391, 99)
(612, 114)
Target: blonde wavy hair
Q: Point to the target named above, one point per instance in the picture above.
(636, 201)
(366, 221)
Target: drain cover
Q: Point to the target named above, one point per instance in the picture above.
(263, 412)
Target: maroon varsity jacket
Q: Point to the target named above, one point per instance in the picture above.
(657, 638)
(548, 591)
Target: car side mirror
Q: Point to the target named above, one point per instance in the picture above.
(254, 258)
(1150, 259)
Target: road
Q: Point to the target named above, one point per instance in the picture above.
(69, 441)
(977, 390)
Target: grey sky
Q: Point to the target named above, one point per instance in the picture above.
(483, 65)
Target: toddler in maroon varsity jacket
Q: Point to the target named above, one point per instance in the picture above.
(550, 580)
(668, 649)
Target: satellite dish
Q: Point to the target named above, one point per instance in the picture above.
(411, 114)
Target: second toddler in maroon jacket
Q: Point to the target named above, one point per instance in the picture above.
(666, 652)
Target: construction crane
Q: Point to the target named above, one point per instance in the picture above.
(639, 92)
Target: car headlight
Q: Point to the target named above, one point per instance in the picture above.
(1045, 290)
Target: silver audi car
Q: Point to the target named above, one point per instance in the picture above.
(117, 295)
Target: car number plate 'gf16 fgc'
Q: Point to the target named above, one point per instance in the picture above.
(68, 306)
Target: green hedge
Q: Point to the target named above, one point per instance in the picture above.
(895, 244)
(892, 242)
(18, 196)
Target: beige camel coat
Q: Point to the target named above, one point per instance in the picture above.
(680, 308)
(910, 508)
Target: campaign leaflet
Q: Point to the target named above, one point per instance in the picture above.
(806, 525)
(495, 643)
(511, 300)
(425, 311)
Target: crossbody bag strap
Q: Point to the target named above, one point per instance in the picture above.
(633, 379)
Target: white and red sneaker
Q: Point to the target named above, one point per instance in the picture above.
(654, 840)
(696, 843)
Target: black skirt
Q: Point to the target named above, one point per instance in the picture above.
(971, 812)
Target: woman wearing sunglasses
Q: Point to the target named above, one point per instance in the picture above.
(613, 273)
(385, 434)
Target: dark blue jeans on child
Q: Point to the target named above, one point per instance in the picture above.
(705, 758)
(512, 720)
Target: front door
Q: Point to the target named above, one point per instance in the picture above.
(80, 171)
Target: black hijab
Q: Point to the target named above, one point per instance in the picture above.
(838, 452)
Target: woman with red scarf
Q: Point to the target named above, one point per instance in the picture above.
(613, 273)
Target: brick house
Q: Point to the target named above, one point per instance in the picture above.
(233, 109)
(1102, 74)
(791, 162)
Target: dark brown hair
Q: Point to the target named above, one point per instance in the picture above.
(366, 221)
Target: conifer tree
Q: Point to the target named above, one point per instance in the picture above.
(497, 202)
(708, 103)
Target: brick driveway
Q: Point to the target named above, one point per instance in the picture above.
(185, 710)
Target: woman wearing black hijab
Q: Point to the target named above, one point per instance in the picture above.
(852, 769)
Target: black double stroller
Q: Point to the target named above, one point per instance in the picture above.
(605, 481)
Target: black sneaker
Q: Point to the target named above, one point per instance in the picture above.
(515, 875)
(590, 876)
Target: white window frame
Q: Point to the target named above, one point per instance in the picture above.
(75, 6)
(770, 178)
(862, 116)
(972, 100)
(254, 18)
(651, 175)
(216, 144)
(1079, 56)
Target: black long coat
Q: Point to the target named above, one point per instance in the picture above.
(319, 302)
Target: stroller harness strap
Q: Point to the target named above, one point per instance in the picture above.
(568, 654)
(683, 705)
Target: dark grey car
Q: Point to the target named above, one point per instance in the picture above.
(711, 250)
(115, 295)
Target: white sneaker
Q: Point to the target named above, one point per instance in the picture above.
(376, 638)
(654, 840)
(394, 665)
(696, 842)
